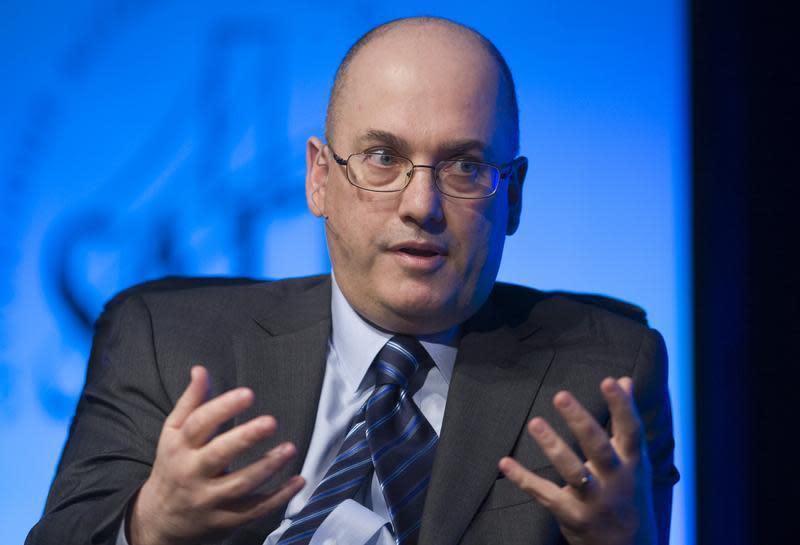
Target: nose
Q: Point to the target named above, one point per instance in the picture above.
(421, 201)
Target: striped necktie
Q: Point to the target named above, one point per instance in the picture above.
(401, 440)
(389, 434)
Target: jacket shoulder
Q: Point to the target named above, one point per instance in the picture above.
(576, 319)
(512, 295)
(212, 292)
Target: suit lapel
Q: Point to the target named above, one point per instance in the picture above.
(495, 381)
(281, 356)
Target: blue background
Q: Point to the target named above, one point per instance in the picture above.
(143, 138)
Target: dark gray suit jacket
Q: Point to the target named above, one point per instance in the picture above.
(519, 350)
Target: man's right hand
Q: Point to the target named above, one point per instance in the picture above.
(189, 497)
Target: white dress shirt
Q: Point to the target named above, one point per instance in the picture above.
(349, 381)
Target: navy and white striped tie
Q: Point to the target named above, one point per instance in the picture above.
(392, 436)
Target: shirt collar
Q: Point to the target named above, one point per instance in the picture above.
(357, 342)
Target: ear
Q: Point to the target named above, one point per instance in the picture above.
(317, 168)
(518, 171)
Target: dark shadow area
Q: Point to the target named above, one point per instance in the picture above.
(745, 87)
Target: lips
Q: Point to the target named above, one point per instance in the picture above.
(419, 257)
(420, 253)
(419, 249)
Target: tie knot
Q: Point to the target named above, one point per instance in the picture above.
(398, 360)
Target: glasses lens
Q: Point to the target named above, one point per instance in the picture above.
(378, 171)
(467, 179)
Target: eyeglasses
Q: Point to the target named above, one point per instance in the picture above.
(386, 173)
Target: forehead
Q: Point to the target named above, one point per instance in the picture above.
(424, 84)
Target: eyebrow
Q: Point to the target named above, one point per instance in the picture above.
(375, 136)
(448, 147)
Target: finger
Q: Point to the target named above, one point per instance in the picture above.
(546, 492)
(592, 438)
(259, 505)
(564, 459)
(218, 454)
(205, 419)
(247, 480)
(625, 423)
(192, 397)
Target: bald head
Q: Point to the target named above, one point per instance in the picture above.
(420, 259)
(431, 36)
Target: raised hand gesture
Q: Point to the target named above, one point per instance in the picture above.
(607, 499)
(190, 497)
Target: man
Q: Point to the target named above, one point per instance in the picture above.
(329, 377)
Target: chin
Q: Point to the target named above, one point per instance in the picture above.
(418, 296)
(423, 311)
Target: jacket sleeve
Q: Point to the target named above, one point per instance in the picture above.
(113, 436)
(652, 400)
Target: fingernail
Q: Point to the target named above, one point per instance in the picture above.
(537, 426)
(286, 449)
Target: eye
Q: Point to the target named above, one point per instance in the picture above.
(382, 159)
(462, 167)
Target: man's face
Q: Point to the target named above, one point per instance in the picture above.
(416, 261)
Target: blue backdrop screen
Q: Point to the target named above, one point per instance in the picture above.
(143, 138)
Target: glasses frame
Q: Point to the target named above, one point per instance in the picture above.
(503, 172)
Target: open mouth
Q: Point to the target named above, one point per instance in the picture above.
(418, 252)
(420, 255)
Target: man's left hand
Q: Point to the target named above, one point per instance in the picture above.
(607, 499)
